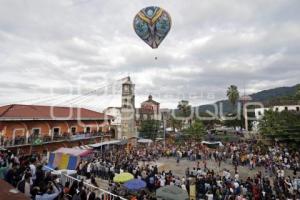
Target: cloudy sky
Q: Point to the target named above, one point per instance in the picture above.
(51, 50)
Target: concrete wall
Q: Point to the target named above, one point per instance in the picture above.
(259, 112)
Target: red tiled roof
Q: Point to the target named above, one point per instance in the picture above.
(16, 111)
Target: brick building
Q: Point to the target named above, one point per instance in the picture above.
(22, 124)
(150, 110)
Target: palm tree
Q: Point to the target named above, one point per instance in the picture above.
(185, 110)
(175, 124)
(233, 94)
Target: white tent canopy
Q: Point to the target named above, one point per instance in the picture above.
(105, 143)
(147, 141)
(170, 129)
(212, 143)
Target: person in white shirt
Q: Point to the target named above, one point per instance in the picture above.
(162, 181)
(236, 177)
(210, 196)
(32, 171)
(88, 169)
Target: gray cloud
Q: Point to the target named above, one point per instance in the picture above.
(68, 47)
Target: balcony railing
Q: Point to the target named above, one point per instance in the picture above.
(18, 141)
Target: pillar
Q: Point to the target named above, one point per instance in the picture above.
(52, 134)
(1, 137)
(13, 137)
(27, 137)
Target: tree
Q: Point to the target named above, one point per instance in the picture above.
(196, 130)
(270, 124)
(149, 129)
(233, 94)
(209, 121)
(185, 110)
(280, 125)
(235, 122)
(175, 124)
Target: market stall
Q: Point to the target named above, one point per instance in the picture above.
(67, 158)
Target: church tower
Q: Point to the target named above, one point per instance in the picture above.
(128, 129)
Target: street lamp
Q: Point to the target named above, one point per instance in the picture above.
(244, 99)
(164, 127)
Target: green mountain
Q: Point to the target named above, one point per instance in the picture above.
(265, 96)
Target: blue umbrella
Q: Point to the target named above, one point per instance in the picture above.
(135, 184)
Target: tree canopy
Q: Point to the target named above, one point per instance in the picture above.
(280, 125)
(196, 130)
(149, 129)
(184, 108)
(233, 94)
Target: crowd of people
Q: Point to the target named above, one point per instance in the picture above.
(271, 180)
(26, 173)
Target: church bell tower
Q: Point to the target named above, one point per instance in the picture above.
(128, 129)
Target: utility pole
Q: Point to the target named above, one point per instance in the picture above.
(164, 127)
(244, 100)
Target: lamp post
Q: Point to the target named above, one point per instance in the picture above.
(164, 133)
(244, 99)
(164, 127)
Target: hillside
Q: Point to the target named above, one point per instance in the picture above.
(265, 96)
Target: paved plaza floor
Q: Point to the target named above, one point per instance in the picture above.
(167, 164)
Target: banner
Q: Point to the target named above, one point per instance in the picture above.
(37, 141)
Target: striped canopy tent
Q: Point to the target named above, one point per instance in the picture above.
(66, 158)
(83, 147)
(73, 152)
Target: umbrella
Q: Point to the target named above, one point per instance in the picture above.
(171, 193)
(123, 177)
(135, 184)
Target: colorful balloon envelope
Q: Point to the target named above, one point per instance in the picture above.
(152, 24)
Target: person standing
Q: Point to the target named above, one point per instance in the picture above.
(32, 170)
(24, 185)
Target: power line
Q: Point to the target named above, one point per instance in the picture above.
(90, 93)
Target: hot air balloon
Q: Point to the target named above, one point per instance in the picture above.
(152, 24)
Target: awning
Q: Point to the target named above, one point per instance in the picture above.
(111, 142)
(73, 152)
(2, 149)
(147, 141)
(84, 147)
(170, 129)
(216, 143)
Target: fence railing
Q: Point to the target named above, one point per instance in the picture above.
(103, 194)
(48, 139)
